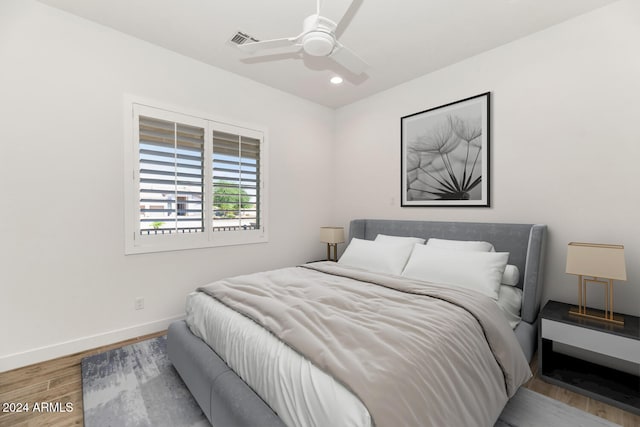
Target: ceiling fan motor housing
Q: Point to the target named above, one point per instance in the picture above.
(318, 39)
(318, 43)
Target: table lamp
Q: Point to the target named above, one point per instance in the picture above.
(332, 236)
(596, 263)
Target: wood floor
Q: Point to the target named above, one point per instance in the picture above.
(59, 380)
(587, 404)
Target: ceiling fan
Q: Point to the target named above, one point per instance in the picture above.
(318, 38)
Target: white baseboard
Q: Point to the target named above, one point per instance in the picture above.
(41, 354)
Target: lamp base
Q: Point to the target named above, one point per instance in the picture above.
(335, 252)
(606, 315)
(597, 315)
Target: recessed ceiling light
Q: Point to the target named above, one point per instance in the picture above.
(336, 80)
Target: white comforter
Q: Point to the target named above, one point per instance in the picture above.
(414, 353)
(300, 393)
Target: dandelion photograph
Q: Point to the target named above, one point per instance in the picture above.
(445, 155)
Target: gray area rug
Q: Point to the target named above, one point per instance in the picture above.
(530, 409)
(136, 385)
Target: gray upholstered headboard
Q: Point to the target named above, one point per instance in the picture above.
(524, 242)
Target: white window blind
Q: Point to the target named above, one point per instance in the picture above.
(236, 182)
(171, 159)
(195, 182)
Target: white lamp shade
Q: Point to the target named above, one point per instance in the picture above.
(596, 260)
(332, 234)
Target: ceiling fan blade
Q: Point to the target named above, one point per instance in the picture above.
(268, 44)
(348, 17)
(270, 57)
(348, 59)
(335, 10)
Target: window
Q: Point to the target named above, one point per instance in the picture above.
(236, 195)
(192, 182)
(171, 176)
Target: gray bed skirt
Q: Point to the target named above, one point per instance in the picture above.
(225, 399)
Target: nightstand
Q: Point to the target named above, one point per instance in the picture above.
(597, 338)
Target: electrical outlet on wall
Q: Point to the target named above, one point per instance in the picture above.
(138, 303)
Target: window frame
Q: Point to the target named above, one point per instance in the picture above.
(135, 242)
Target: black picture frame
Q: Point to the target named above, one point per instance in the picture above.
(445, 155)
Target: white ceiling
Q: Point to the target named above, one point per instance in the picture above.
(401, 39)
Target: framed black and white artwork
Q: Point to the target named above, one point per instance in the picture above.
(445, 155)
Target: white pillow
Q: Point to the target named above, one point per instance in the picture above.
(460, 245)
(479, 271)
(379, 257)
(399, 239)
(511, 275)
(510, 302)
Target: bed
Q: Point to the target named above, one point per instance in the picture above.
(227, 400)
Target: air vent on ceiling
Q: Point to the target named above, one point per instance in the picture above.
(242, 38)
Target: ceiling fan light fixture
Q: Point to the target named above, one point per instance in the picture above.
(336, 80)
(318, 43)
